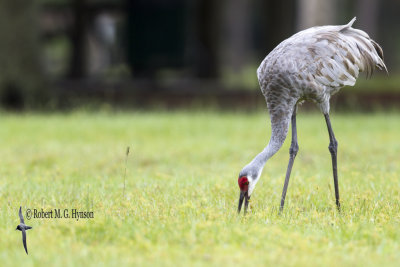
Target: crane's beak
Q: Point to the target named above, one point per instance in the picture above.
(243, 195)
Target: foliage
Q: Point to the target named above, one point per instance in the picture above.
(181, 190)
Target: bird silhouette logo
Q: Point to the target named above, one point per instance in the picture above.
(22, 227)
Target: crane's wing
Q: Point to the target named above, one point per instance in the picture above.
(24, 239)
(21, 218)
(340, 53)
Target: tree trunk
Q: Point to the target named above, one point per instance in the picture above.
(236, 34)
(21, 76)
(315, 13)
(367, 16)
(207, 29)
(78, 66)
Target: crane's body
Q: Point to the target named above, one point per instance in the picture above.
(311, 65)
(316, 63)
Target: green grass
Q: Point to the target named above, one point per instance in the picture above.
(181, 190)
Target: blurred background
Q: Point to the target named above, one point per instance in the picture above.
(60, 54)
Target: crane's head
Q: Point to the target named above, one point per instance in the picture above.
(247, 180)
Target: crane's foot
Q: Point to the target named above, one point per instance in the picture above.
(338, 205)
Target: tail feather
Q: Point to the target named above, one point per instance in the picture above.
(370, 53)
(379, 51)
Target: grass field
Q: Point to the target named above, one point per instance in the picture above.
(181, 192)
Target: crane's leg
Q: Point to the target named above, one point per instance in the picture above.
(333, 144)
(294, 147)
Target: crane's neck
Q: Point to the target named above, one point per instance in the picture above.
(273, 146)
(278, 136)
(279, 131)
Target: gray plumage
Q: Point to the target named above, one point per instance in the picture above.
(311, 65)
(22, 227)
(314, 64)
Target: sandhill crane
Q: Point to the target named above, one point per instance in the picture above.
(311, 65)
